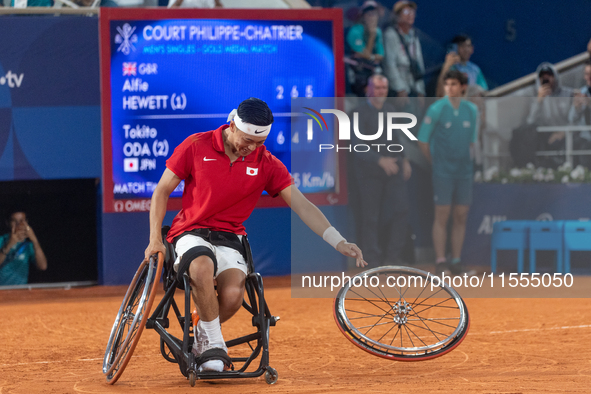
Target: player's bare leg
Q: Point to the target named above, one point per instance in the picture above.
(230, 286)
(208, 333)
(203, 290)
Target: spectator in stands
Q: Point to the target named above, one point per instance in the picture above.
(446, 138)
(102, 3)
(365, 40)
(32, 3)
(550, 108)
(580, 114)
(458, 58)
(381, 182)
(195, 4)
(19, 248)
(403, 61)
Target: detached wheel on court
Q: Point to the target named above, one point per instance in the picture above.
(131, 318)
(401, 313)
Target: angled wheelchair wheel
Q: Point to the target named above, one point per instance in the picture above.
(401, 313)
(131, 318)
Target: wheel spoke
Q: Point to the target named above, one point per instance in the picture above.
(436, 305)
(375, 325)
(419, 338)
(377, 306)
(432, 320)
(382, 337)
(432, 332)
(363, 313)
(397, 331)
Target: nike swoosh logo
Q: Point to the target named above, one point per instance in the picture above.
(259, 132)
(206, 159)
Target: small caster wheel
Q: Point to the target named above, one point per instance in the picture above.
(192, 378)
(271, 375)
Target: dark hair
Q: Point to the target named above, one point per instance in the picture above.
(255, 111)
(456, 74)
(587, 62)
(460, 39)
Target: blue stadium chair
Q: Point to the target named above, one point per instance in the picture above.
(546, 236)
(577, 236)
(509, 235)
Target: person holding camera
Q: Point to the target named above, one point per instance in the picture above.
(18, 249)
(550, 108)
(403, 58)
(580, 114)
(458, 58)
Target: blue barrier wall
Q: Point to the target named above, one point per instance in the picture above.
(496, 202)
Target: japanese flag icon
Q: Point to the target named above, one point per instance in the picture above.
(252, 171)
(131, 165)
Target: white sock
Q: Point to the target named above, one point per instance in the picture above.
(213, 330)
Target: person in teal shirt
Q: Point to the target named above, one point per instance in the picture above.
(18, 250)
(365, 38)
(446, 138)
(365, 42)
(36, 3)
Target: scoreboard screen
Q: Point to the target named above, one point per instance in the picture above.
(167, 74)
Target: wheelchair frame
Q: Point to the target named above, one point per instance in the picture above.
(178, 350)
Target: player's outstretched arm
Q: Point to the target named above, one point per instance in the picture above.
(166, 185)
(315, 219)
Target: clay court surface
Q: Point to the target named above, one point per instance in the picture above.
(53, 341)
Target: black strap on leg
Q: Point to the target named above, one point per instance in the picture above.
(191, 255)
(215, 354)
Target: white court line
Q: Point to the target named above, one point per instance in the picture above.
(57, 361)
(540, 329)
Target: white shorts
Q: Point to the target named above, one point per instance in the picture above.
(227, 257)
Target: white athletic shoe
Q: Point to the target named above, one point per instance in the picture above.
(200, 342)
(201, 345)
(212, 366)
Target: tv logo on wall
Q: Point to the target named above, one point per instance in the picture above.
(12, 80)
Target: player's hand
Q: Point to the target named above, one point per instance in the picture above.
(17, 234)
(389, 165)
(29, 233)
(556, 136)
(579, 100)
(153, 248)
(406, 169)
(544, 91)
(352, 250)
(451, 59)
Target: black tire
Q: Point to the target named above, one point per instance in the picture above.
(131, 318)
(404, 323)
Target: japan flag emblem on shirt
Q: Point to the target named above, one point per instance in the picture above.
(252, 171)
(131, 165)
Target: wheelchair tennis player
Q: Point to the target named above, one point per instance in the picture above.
(225, 172)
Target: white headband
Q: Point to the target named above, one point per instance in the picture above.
(257, 131)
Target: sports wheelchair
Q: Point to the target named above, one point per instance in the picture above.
(134, 316)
